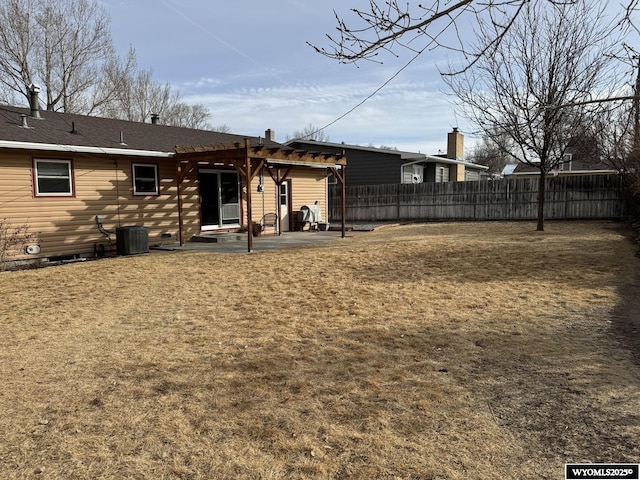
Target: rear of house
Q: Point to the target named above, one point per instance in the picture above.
(74, 180)
(62, 197)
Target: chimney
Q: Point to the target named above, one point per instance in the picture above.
(34, 103)
(270, 135)
(455, 145)
(155, 118)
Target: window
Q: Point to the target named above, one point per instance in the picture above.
(565, 164)
(471, 175)
(442, 174)
(53, 178)
(145, 179)
(413, 173)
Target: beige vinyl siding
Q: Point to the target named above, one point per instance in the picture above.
(102, 186)
(262, 202)
(190, 206)
(307, 186)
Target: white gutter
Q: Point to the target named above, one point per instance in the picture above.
(563, 173)
(412, 163)
(448, 161)
(452, 161)
(82, 149)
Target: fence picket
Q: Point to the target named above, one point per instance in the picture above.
(567, 197)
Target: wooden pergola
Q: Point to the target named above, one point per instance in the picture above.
(248, 160)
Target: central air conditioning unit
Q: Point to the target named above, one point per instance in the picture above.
(132, 240)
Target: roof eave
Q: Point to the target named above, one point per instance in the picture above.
(563, 173)
(83, 149)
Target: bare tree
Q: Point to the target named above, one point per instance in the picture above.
(389, 27)
(616, 130)
(533, 88)
(112, 79)
(222, 128)
(491, 152)
(16, 48)
(65, 47)
(136, 96)
(58, 44)
(182, 114)
(310, 132)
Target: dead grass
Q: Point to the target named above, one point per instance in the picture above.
(447, 351)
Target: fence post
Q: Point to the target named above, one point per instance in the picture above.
(590, 197)
(566, 197)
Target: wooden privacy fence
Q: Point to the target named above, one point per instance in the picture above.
(571, 197)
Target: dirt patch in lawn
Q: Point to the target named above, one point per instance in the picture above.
(484, 350)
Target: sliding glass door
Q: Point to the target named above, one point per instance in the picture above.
(219, 199)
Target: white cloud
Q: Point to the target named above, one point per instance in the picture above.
(409, 116)
(249, 63)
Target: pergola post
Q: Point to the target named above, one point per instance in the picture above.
(340, 176)
(241, 158)
(248, 178)
(180, 218)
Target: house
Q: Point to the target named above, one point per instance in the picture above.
(573, 166)
(375, 166)
(73, 180)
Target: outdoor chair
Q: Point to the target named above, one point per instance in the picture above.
(270, 220)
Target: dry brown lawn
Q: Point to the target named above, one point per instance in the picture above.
(448, 351)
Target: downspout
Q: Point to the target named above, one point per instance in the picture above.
(115, 163)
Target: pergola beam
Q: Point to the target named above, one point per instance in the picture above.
(247, 160)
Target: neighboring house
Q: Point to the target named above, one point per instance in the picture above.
(509, 169)
(72, 180)
(572, 166)
(375, 166)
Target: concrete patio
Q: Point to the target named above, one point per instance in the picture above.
(237, 242)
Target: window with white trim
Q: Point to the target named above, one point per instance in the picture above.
(53, 178)
(145, 179)
(442, 174)
(565, 164)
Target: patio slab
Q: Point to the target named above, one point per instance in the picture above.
(260, 243)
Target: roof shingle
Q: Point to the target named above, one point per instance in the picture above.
(56, 129)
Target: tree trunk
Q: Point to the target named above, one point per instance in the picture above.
(541, 195)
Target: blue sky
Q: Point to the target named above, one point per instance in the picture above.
(248, 62)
